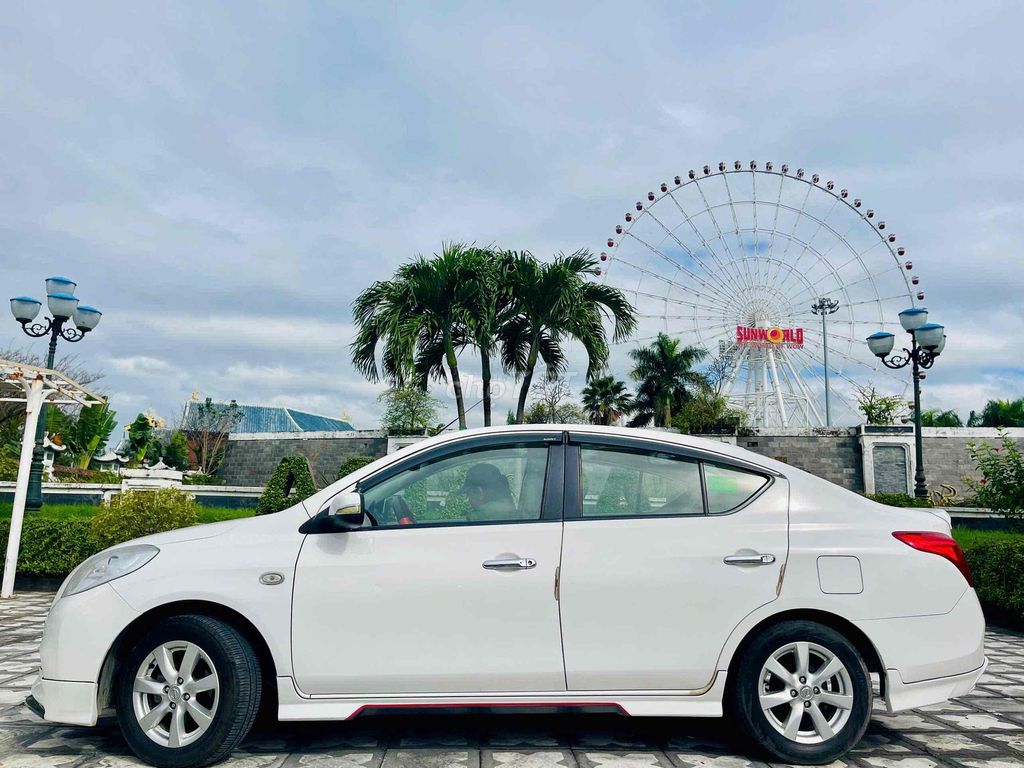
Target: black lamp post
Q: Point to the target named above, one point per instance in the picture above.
(63, 306)
(825, 307)
(927, 340)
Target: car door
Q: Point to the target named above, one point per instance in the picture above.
(451, 589)
(664, 552)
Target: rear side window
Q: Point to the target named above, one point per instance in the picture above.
(728, 487)
(633, 483)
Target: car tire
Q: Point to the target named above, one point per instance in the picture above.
(802, 693)
(187, 692)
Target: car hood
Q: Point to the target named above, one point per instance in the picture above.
(192, 533)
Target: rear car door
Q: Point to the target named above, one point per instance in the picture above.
(665, 550)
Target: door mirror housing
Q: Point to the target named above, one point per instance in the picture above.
(346, 510)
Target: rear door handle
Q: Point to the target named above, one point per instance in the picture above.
(754, 559)
(510, 564)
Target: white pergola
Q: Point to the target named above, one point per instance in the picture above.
(34, 386)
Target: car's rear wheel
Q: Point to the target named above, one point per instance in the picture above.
(187, 692)
(802, 693)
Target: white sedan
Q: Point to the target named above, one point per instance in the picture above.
(552, 566)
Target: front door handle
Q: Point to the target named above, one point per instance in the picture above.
(754, 559)
(510, 564)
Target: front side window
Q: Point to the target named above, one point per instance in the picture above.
(620, 482)
(497, 484)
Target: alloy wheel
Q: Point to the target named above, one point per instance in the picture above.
(175, 693)
(806, 692)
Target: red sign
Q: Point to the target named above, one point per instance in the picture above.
(769, 337)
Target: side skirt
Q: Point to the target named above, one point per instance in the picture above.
(707, 703)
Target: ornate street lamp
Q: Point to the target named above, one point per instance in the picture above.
(927, 340)
(64, 307)
(825, 307)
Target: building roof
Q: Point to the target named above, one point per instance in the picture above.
(270, 418)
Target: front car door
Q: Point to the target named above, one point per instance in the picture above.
(450, 588)
(647, 596)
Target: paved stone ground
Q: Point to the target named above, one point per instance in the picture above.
(985, 729)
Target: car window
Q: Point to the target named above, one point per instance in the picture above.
(729, 487)
(483, 485)
(621, 482)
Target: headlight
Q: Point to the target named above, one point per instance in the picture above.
(107, 566)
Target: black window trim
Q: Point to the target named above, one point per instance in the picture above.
(573, 508)
(551, 496)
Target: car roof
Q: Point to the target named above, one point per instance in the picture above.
(704, 444)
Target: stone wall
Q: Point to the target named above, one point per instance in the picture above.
(836, 458)
(252, 457)
(845, 457)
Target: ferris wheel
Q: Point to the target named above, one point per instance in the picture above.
(779, 274)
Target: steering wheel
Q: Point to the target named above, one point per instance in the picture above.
(396, 510)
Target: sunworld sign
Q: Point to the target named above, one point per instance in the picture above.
(747, 336)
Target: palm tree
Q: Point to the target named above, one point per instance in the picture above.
(489, 313)
(606, 399)
(999, 413)
(482, 321)
(420, 317)
(936, 418)
(666, 379)
(550, 302)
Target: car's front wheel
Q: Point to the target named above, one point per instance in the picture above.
(187, 692)
(802, 693)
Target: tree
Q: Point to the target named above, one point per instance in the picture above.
(551, 405)
(606, 399)
(878, 408)
(141, 440)
(91, 432)
(551, 302)
(999, 413)
(176, 453)
(936, 418)
(720, 368)
(1001, 488)
(708, 412)
(206, 426)
(666, 379)
(408, 410)
(424, 309)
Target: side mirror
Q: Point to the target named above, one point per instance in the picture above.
(346, 510)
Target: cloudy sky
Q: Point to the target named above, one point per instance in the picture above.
(222, 179)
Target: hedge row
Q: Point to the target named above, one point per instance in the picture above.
(51, 546)
(997, 563)
(54, 546)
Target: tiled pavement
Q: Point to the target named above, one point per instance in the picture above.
(983, 729)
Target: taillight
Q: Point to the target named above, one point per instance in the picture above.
(937, 544)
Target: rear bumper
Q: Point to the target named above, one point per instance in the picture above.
(61, 701)
(900, 695)
(925, 648)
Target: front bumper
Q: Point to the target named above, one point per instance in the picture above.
(61, 701)
(900, 695)
(78, 634)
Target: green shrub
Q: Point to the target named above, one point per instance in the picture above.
(899, 500)
(1001, 487)
(80, 475)
(351, 463)
(132, 514)
(996, 559)
(51, 546)
(8, 466)
(292, 473)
